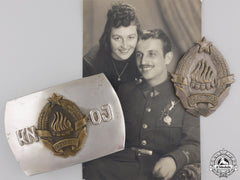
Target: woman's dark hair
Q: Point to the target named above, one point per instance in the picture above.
(120, 14)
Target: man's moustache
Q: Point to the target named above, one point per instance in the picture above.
(146, 66)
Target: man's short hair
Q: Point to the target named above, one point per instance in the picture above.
(157, 34)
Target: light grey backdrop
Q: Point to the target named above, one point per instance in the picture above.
(40, 46)
(221, 25)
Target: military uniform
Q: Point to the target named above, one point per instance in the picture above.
(157, 126)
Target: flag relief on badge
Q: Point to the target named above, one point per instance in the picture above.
(64, 125)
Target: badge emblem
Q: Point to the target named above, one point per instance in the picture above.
(223, 163)
(166, 112)
(202, 79)
(168, 120)
(62, 126)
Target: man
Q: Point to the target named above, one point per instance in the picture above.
(161, 137)
(164, 136)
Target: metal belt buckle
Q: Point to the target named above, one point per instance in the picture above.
(64, 125)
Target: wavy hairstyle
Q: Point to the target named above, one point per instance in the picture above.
(120, 14)
(158, 34)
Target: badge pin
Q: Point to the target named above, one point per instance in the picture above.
(65, 125)
(168, 120)
(202, 79)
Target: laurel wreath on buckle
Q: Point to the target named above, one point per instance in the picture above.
(59, 135)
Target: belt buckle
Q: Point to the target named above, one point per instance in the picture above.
(71, 123)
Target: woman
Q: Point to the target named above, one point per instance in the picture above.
(115, 55)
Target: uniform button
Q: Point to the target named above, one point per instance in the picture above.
(144, 142)
(145, 126)
(148, 109)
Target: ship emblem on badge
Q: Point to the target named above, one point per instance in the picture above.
(202, 79)
(62, 126)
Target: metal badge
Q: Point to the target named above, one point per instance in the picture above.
(64, 125)
(166, 112)
(202, 79)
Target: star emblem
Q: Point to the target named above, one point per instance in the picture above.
(55, 99)
(205, 46)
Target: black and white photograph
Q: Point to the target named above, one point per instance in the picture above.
(137, 45)
(154, 85)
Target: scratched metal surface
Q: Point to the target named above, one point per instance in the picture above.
(87, 93)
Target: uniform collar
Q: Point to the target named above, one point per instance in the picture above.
(150, 91)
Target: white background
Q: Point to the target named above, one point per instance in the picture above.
(41, 46)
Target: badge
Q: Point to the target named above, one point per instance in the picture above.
(167, 119)
(166, 112)
(202, 79)
(64, 125)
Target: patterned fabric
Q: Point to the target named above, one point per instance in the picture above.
(183, 21)
(189, 172)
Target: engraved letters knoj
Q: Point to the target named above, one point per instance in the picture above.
(62, 126)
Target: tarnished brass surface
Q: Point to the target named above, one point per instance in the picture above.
(202, 79)
(62, 126)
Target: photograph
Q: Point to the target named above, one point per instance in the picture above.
(132, 89)
(137, 45)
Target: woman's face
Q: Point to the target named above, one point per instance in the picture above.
(123, 41)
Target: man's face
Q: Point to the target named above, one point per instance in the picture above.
(150, 59)
(123, 41)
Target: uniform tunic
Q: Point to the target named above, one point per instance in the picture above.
(95, 62)
(155, 120)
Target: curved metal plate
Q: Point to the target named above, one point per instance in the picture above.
(93, 96)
